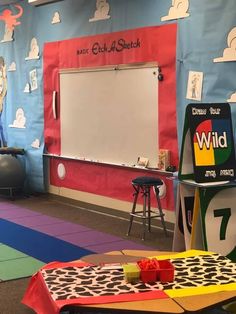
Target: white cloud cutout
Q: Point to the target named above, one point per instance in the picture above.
(102, 10)
(229, 53)
(35, 143)
(8, 35)
(56, 18)
(27, 88)
(178, 10)
(232, 98)
(34, 50)
(20, 120)
(12, 67)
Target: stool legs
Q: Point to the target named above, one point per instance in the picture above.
(146, 210)
(149, 208)
(146, 199)
(145, 214)
(136, 193)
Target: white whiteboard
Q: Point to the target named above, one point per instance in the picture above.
(110, 115)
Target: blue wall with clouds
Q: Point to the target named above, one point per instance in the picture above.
(201, 37)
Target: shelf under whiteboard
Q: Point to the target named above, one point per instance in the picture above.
(156, 170)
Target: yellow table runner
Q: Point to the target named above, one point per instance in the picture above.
(191, 268)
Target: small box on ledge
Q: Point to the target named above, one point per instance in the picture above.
(163, 159)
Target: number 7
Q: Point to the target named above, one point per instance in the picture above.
(225, 213)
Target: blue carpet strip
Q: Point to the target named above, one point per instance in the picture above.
(39, 245)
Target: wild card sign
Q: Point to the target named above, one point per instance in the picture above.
(208, 132)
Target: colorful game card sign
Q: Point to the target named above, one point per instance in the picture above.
(188, 227)
(207, 153)
(218, 219)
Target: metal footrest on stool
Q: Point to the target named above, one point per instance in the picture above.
(142, 186)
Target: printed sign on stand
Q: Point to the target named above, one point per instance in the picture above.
(178, 239)
(188, 231)
(207, 173)
(207, 153)
(219, 219)
(196, 232)
(187, 204)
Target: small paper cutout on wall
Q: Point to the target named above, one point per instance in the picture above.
(232, 98)
(27, 88)
(12, 67)
(56, 18)
(3, 92)
(20, 120)
(34, 50)
(3, 82)
(10, 22)
(194, 88)
(61, 171)
(102, 10)
(35, 143)
(33, 80)
(178, 10)
(229, 53)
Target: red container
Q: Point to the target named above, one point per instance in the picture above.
(166, 272)
(148, 269)
(148, 275)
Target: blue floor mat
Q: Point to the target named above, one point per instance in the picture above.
(39, 245)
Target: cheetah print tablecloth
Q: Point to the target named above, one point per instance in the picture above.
(60, 284)
(73, 282)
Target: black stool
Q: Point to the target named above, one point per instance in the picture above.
(144, 185)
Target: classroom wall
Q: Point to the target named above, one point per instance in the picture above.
(201, 36)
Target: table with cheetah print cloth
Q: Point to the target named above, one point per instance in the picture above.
(196, 272)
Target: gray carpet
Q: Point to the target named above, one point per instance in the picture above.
(11, 293)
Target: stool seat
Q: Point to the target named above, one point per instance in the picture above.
(142, 186)
(147, 181)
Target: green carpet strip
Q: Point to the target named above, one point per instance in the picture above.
(8, 253)
(15, 264)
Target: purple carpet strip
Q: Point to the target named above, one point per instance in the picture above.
(76, 234)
